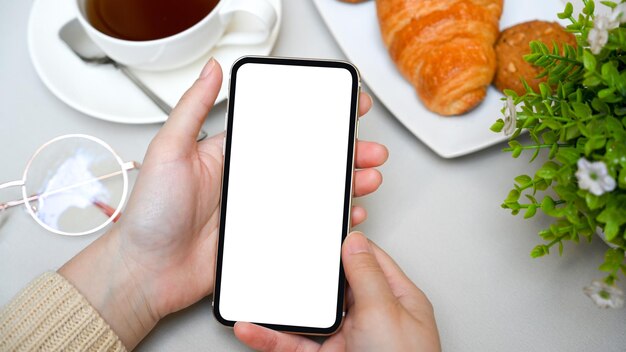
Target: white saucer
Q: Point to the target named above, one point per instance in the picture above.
(102, 91)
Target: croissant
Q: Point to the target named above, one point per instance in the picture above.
(443, 47)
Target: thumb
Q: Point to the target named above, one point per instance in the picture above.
(183, 124)
(363, 272)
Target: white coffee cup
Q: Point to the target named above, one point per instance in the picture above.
(186, 46)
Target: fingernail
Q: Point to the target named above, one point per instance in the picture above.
(357, 243)
(208, 68)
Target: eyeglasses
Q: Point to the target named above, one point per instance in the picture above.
(73, 185)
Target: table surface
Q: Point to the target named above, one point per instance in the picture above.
(440, 219)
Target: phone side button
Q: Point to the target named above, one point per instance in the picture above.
(224, 146)
(358, 127)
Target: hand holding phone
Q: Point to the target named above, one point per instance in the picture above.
(386, 311)
(167, 236)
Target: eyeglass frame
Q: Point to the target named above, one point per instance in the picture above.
(124, 167)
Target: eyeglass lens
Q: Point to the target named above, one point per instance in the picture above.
(78, 184)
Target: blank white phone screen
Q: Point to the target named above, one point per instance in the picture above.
(286, 191)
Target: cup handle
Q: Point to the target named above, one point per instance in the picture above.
(261, 10)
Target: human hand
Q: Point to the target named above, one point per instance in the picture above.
(386, 311)
(160, 256)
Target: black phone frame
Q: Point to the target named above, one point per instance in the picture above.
(348, 184)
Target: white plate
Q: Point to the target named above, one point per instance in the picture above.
(355, 27)
(102, 91)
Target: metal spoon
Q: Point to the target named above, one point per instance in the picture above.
(73, 34)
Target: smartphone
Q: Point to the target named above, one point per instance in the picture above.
(286, 193)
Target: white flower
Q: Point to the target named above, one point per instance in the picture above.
(605, 296)
(618, 15)
(594, 177)
(510, 117)
(597, 39)
(599, 35)
(604, 23)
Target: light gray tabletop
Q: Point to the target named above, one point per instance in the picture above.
(440, 219)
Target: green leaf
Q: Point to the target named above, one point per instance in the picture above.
(530, 212)
(619, 110)
(552, 124)
(594, 202)
(572, 132)
(535, 155)
(529, 121)
(547, 205)
(553, 150)
(523, 180)
(595, 142)
(567, 193)
(545, 90)
(567, 12)
(568, 156)
(549, 137)
(615, 128)
(606, 93)
(592, 81)
(560, 248)
(589, 8)
(532, 199)
(541, 184)
(514, 144)
(611, 230)
(497, 126)
(610, 73)
(614, 257)
(539, 251)
(546, 234)
(513, 196)
(589, 61)
(581, 110)
(532, 58)
(613, 217)
(571, 213)
(548, 170)
(516, 148)
(600, 106)
(606, 267)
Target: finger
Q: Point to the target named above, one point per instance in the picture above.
(349, 298)
(266, 340)
(214, 143)
(370, 154)
(183, 124)
(409, 295)
(365, 103)
(366, 181)
(358, 214)
(365, 276)
(336, 342)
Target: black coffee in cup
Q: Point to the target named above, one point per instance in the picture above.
(141, 20)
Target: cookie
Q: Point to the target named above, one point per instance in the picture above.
(513, 44)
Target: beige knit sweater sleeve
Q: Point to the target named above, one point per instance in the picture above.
(51, 315)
